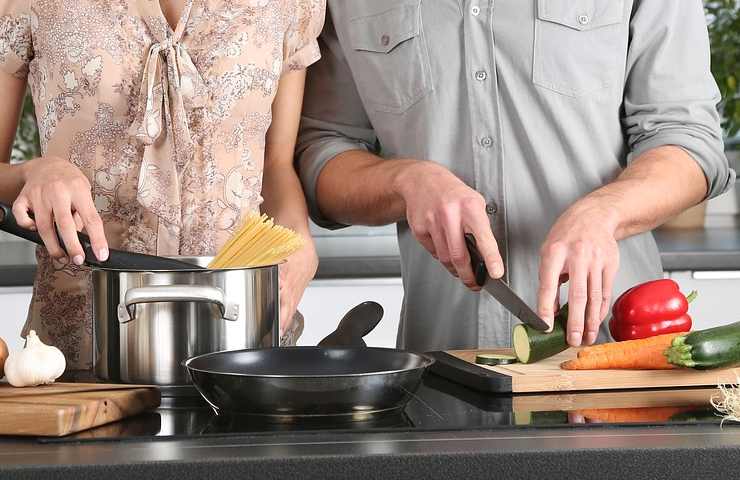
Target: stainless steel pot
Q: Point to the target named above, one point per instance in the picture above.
(146, 323)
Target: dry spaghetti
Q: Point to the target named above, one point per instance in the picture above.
(257, 243)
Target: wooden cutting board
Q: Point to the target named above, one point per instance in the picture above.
(64, 408)
(614, 400)
(547, 376)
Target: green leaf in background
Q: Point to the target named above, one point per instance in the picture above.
(27, 145)
(723, 17)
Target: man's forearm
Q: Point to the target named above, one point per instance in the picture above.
(659, 184)
(360, 188)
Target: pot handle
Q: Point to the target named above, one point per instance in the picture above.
(175, 293)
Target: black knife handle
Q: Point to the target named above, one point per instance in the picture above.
(476, 260)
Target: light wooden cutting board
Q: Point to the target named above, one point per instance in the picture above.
(547, 376)
(64, 408)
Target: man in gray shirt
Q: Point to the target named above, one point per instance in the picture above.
(558, 132)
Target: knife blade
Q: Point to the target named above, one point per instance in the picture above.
(500, 290)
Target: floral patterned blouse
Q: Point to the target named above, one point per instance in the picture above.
(168, 125)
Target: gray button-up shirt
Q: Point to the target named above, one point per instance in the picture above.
(533, 103)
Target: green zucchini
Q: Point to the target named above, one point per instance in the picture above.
(541, 418)
(700, 415)
(531, 345)
(711, 348)
(493, 359)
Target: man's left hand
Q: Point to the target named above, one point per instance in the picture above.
(581, 248)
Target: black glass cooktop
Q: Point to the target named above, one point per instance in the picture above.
(438, 405)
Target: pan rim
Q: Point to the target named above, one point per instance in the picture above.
(426, 362)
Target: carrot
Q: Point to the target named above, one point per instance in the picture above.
(642, 354)
(632, 415)
(603, 347)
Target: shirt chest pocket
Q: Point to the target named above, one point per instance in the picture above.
(390, 59)
(579, 45)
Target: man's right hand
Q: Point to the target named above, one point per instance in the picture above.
(441, 209)
(58, 193)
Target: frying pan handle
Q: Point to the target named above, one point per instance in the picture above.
(175, 293)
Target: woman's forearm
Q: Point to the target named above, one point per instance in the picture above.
(283, 197)
(11, 182)
(11, 178)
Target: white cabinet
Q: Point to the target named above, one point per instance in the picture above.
(326, 301)
(717, 302)
(14, 303)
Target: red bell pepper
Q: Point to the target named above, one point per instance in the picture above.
(649, 309)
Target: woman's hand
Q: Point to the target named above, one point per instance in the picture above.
(295, 276)
(58, 194)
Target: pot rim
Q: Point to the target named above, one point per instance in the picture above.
(426, 362)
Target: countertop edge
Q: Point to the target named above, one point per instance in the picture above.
(598, 452)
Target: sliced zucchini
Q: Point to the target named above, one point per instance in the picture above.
(531, 345)
(493, 359)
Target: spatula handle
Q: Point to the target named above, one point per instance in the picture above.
(117, 259)
(9, 224)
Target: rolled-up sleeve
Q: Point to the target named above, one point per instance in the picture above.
(670, 95)
(333, 120)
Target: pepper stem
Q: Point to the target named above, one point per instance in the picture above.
(691, 296)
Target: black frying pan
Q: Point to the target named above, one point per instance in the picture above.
(345, 379)
(117, 259)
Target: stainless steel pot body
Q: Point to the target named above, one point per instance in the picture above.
(147, 323)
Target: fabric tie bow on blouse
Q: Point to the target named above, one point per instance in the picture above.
(171, 86)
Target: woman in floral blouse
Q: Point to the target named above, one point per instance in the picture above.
(162, 123)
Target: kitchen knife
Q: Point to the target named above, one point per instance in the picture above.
(117, 259)
(500, 290)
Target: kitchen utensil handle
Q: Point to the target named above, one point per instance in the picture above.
(8, 223)
(476, 260)
(175, 293)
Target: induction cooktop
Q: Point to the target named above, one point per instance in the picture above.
(437, 405)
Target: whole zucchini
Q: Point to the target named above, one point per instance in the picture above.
(711, 348)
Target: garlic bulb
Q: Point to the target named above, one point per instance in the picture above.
(36, 364)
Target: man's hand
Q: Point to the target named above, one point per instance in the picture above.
(581, 248)
(440, 210)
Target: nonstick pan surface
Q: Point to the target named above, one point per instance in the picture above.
(308, 381)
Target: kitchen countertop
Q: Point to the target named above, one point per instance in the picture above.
(715, 248)
(453, 432)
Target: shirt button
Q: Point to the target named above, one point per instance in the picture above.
(584, 19)
(475, 10)
(486, 142)
(385, 40)
(481, 75)
(491, 208)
